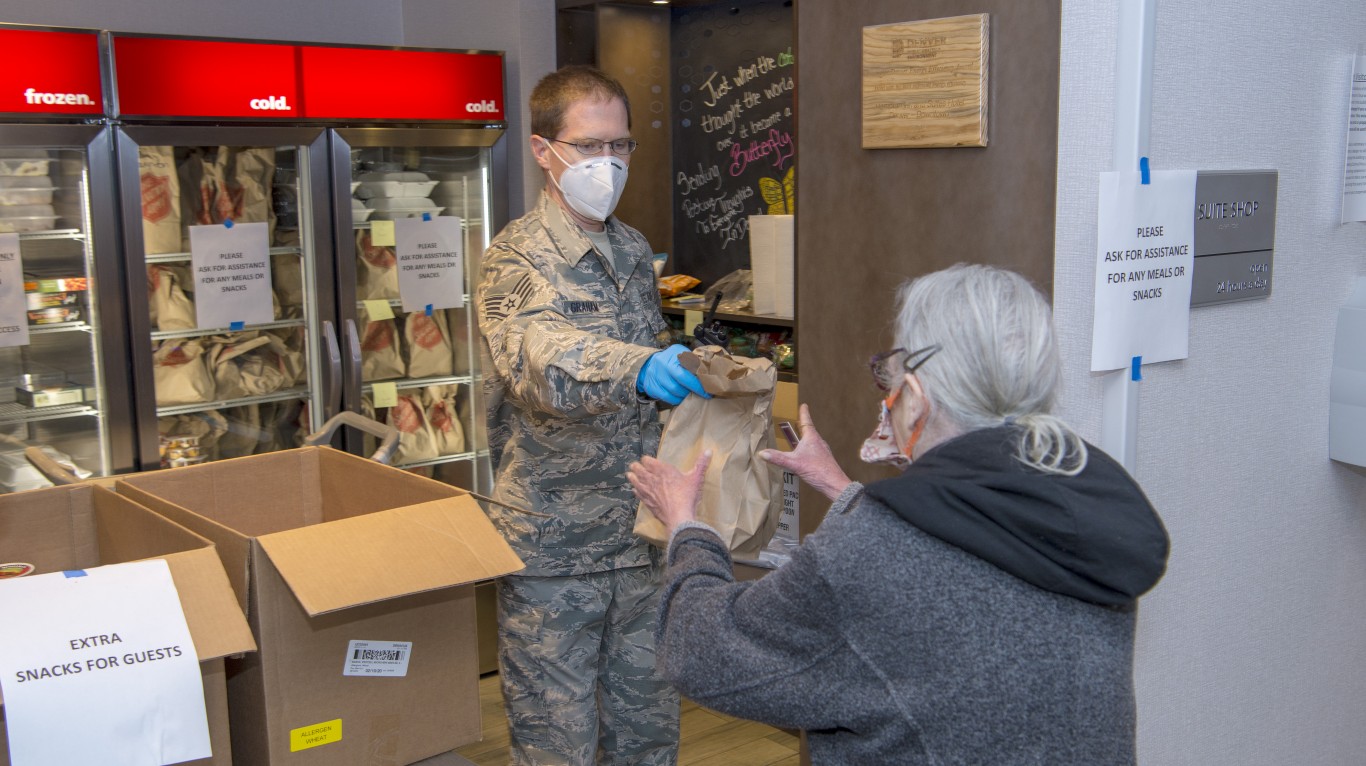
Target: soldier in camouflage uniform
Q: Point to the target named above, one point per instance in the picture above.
(570, 317)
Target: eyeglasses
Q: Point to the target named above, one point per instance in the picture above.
(884, 364)
(592, 147)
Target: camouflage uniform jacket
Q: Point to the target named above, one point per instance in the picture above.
(566, 331)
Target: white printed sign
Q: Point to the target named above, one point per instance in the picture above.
(98, 666)
(377, 658)
(430, 259)
(1144, 256)
(1354, 172)
(231, 275)
(13, 309)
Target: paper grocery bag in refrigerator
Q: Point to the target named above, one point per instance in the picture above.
(735, 424)
(160, 199)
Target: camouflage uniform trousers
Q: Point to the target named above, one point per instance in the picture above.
(576, 655)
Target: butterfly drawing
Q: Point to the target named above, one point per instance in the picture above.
(781, 197)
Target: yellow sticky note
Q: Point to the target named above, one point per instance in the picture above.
(378, 310)
(386, 395)
(305, 737)
(382, 233)
(691, 319)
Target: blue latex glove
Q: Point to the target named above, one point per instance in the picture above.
(664, 378)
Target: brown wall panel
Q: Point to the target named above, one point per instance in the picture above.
(870, 219)
(633, 46)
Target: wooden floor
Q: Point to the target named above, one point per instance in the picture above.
(708, 738)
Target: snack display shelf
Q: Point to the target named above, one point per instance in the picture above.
(184, 257)
(49, 329)
(277, 325)
(13, 412)
(397, 303)
(51, 234)
(298, 392)
(406, 383)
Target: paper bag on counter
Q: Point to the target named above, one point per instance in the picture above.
(181, 374)
(735, 424)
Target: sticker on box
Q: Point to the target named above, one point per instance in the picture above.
(378, 658)
(15, 569)
(324, 733)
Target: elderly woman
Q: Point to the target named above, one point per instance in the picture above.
(978, 608)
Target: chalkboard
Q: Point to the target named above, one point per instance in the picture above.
(733, 144)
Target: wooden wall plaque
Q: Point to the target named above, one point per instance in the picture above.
(925, 83)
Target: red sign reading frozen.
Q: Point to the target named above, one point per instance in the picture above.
(160, 77)
(388, 84)
(49, 72)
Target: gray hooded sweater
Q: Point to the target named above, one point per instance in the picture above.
(888, 644)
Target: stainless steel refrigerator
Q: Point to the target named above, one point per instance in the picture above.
(66, 389)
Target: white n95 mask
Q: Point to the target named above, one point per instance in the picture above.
(593, 185)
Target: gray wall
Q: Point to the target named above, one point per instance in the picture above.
(1253, 649)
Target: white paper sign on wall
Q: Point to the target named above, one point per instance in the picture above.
(98, 666)
(1144, 255)
(13, 309)
(430, 257)
(231, 275)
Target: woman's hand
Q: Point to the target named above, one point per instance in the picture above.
(668, 493)
(811, 460)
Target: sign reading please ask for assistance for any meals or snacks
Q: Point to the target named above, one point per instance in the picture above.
(430, 259)
(13, 322)
(231, 275)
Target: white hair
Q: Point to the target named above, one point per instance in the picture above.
(999, 359)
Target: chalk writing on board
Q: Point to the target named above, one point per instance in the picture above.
(734, 142)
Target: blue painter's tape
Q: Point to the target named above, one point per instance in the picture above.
(1136, 370)
(426, 216)
(235, 326)
(227, 222)
(429, 309)
(1144, 171)
(73, 573)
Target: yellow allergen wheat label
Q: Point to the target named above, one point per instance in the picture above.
(318, 734)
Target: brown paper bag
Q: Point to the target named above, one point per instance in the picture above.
(735, 424)
(378, 275)
(181, 374)
(170, 308)
(441, 413)
(160, 199)
(380, 359)
(416, 440)
(428, 344)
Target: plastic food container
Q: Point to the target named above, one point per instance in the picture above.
(25, 190)
(24, 162)
(22, 218)
(389, 208)
(359, 212)
(390, 184)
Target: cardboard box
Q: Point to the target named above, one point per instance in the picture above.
(86, 526)
(325, 549)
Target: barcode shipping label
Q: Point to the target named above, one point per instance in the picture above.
(377, 658)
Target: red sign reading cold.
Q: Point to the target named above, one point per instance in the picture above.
(162, 77)
(48, 72)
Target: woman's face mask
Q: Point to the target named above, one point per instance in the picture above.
(881, 446)
(592, 186)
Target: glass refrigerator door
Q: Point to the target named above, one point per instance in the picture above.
(223, 389)
(53, 392)
(416, 371)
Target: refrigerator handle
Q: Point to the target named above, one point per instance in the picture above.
(352, 338)
(332, 384)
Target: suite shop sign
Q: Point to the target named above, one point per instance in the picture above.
(1235, 236)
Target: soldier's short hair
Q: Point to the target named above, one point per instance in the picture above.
(559, 90)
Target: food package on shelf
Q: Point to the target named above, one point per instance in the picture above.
(390, 208)
(181, 373)
(227, 183)
(416, 439)
(160, 199)
(25, 190)
(380, 357)
(378, 272)
(442, 415)
(393, 184)
(25, 218)
(428, 343)
(24, 162)
(190, 439)
(170, 307)
(359, 212)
